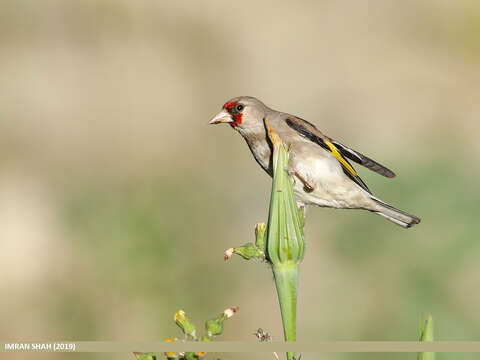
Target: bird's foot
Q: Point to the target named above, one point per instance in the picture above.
(307, 185)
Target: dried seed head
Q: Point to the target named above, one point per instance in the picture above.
(228, 313)
(228, 254)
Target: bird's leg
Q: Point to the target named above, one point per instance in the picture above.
(308, 187)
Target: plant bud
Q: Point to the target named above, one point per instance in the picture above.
(260, 230)
(215, 326)
(184, 323)
(285, 237)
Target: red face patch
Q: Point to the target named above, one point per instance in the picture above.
(230, 106)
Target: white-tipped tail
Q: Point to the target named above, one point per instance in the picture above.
(396, 216)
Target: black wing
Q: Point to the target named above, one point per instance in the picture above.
(309, 131)
(363, 160)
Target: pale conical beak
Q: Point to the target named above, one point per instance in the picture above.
(222, 117)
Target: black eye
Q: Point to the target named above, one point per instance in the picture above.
(239, 107)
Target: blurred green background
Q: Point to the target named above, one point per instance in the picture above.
(117, 199)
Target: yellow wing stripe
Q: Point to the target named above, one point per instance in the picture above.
(340, 158)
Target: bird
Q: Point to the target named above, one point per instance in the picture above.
(320, 166)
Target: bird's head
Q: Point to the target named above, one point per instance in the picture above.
(243, 113)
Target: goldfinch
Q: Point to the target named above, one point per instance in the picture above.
(320, 166)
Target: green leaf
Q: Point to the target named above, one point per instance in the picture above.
(426, 334)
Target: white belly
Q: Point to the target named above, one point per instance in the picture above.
(332, 188)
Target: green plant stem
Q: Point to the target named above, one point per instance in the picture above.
(286, 280)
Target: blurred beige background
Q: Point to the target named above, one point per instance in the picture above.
(117, 199)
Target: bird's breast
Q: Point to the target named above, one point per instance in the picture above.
(261, 152)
